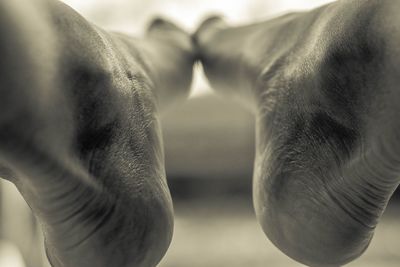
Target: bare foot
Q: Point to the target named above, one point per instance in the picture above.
(324, 88)
(79, 130)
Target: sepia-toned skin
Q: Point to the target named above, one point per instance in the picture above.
(79, 130)
(80, 137)
(324, 87)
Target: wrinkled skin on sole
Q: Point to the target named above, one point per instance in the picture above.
(324, 87)
(80, 134)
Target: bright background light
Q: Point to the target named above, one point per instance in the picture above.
(131, 16)
(10, 256)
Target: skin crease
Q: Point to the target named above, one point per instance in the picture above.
(81, 139)
(323, 86)
(79, 130)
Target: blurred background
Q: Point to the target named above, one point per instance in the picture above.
(209, 146)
